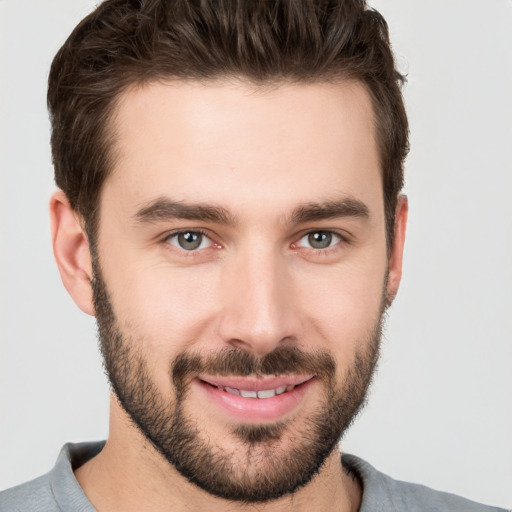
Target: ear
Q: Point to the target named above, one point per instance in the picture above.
(397, 249)
(71, 251)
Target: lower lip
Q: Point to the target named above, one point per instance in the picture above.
(256, 410)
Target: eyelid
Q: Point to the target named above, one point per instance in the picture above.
(340, 238)
(174, 233)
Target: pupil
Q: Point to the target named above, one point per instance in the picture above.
(189, 240)
(320, 239)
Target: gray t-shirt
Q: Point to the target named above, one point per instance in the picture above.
(59, 491)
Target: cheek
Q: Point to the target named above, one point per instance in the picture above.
(167, 308)
(164, 312)
(343, 305)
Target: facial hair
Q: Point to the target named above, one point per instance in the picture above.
(271, 460)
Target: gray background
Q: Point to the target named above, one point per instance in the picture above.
(440, 411)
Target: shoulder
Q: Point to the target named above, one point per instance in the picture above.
(56, 491)
(381, 493)
(35, 495)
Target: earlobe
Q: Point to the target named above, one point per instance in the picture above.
(71, 251)
(397, 249)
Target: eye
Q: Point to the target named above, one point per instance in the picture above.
(319, 240)
(189, 240)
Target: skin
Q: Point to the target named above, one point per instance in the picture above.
(260, 154)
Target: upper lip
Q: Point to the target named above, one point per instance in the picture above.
(254, 383)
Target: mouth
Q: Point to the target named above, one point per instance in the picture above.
(253, 400)
(257, 388)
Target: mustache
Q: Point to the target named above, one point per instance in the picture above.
(284, 360)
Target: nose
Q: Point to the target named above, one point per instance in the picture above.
(258, 313)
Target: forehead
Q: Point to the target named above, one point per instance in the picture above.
(233, 142)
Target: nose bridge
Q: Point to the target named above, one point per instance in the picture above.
(258, 313)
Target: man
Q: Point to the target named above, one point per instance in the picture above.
(230, 213)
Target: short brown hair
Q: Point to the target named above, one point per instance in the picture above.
(128, 42)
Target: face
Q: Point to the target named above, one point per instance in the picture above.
(240, 276)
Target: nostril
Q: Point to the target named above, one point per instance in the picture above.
(236, 343)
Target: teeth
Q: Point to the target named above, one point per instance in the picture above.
(264, 393)
(248, 394)
(267, 393)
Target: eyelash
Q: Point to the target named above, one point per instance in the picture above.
(336, 238)
(193, 252)
(342, 240)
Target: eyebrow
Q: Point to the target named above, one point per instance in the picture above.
(163, 209)
(347, 207)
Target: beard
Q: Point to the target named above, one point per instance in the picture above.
(271, 460)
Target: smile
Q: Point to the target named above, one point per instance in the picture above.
(254, 400)
(264, 393)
